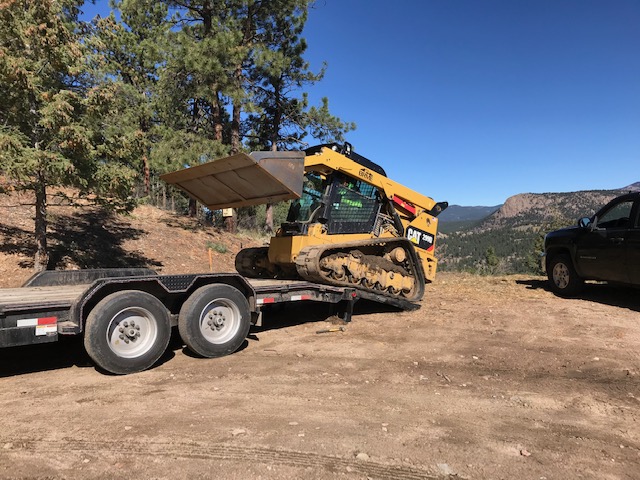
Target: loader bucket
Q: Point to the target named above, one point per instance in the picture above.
(242, 180)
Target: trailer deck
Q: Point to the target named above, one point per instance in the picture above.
(56, 297)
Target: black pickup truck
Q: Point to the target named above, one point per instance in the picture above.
(605, 247)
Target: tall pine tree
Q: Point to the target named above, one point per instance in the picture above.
(126, 56)
(46, 137)
(283, 118)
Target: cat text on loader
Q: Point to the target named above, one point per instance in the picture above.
(348, 224)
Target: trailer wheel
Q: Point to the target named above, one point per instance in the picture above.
(127, 331)
(215, 320)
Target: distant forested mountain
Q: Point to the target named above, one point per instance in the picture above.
(457, 213)
(509, 239)
(457, 217)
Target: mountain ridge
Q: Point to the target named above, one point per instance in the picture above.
(460, 213)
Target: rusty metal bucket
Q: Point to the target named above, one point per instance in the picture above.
(242, 180)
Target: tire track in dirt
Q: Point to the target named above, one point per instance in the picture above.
(220, 451)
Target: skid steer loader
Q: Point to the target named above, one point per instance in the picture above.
(348, 223)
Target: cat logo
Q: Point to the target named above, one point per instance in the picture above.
(365, 174)
(420, 238)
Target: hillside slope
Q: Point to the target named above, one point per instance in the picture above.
(92, 238)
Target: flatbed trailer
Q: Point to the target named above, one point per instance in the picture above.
(126, 315)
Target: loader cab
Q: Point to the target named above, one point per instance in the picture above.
(344, 204)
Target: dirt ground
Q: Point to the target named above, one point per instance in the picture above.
(492, 378)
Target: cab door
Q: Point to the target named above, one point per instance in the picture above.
(633, 246)
(601, 252)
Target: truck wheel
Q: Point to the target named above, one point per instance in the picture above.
(127, 331)
(215, 320)
(563, 278)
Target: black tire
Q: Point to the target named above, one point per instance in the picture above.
(127, 332)
(215, 320)
(563, 278)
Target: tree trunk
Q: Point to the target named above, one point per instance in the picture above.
(217, 119)
(42, 255)
(235, 128)
(277, 116)
(146, 175)
(235, 116)
(193, 207)
(268, 219)
(229, 219)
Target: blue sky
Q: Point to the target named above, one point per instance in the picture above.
(472, 101)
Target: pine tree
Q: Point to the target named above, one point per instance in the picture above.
(126, 56)
(491, 260)
(47, 135)
(283, 118)
(239, 65)
(280, 119)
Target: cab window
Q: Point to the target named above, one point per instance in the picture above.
(617, 216)
(302, 210)
(352, 210)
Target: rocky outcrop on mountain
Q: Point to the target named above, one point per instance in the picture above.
(538, 208)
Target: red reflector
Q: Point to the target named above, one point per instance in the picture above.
(404, 204)
(47, 321)
(268, 300)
